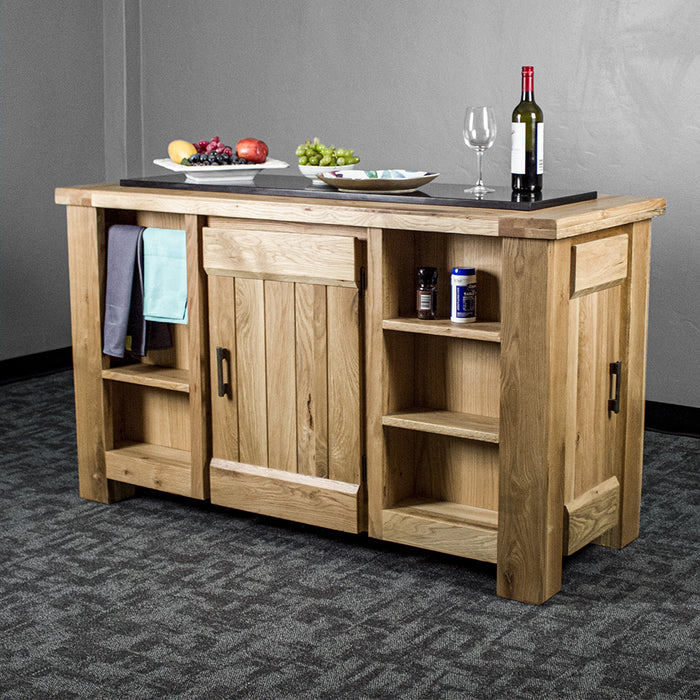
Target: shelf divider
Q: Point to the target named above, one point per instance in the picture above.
(452, 423)
(170, 378)
(489, 331)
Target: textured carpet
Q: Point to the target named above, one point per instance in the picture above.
(163, 597)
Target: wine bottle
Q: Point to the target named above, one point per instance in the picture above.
(527, 145)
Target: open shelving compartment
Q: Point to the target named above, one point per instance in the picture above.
(155, 408)
(440, 413)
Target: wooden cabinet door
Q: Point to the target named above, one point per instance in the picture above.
(598, 354)
(286, 330)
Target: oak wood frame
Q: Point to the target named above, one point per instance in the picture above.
(549, 259)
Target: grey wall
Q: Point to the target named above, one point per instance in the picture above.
(617, 82)
(51, 133)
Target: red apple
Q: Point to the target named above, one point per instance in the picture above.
(253, 150)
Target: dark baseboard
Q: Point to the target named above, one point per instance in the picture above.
(671, 418)
(660, 417)
(36, 365)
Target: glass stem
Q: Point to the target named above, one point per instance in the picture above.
(479, 159)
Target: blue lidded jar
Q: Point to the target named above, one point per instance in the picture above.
(463, 295)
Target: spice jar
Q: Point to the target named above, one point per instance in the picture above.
(426, 295)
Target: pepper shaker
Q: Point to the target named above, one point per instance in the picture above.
(426, 296)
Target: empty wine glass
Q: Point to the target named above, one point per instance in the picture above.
(479, 134)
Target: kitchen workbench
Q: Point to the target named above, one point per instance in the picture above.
(303, 386)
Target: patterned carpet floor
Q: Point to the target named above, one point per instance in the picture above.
(164, 597)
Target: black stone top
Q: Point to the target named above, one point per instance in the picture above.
(435, 193)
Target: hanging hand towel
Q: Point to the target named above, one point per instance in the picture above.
(122, 249)
(165, 275)
(142, 335)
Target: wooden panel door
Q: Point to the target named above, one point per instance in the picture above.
(286, 359)
(599, 368)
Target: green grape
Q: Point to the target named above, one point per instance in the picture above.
(313, 152)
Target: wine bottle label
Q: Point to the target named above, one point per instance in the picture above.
(517, 149)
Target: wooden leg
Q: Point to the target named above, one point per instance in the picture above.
(533, 411)
(198, 349)
(375, 366)
(86, 250)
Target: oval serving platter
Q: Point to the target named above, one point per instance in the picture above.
(389, 181)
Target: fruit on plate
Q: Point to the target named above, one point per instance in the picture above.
(216, 152)
(316, 153)
(213, 146)
(253, 150)
(179, 150)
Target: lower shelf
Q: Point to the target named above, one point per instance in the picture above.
(151, 466)
(442, 526)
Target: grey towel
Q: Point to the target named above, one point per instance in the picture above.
(122, 249)
(125, 329)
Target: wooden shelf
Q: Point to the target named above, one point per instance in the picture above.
(169, 378)
(151, 466)
(463, 425)
(489, 331)
(443, 526)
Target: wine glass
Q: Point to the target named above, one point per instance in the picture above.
(479, 134)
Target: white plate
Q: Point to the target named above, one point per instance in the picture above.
(389, 181)
(313, 171)
(220, 174)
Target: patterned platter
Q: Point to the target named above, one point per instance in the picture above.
(390, 181)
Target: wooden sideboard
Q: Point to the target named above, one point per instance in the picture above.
(303, 386)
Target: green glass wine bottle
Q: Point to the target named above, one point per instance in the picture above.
(527, 144)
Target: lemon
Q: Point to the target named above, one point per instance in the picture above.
(180, 150)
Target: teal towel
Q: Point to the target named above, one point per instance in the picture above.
(164, 275)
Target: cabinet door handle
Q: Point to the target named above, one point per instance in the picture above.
(221, 355)
(615, 380)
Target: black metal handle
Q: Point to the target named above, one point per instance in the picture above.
(221, 355)
(615, 379)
